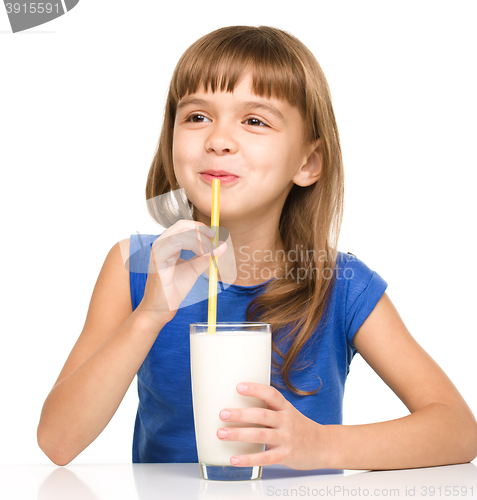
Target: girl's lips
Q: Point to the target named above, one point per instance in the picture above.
(224, 179)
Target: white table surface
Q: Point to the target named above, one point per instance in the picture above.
(182, 481)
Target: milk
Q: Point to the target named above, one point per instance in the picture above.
(219, 362)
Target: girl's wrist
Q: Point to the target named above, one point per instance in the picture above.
(324, 458)
(148, 321)
(314, 450)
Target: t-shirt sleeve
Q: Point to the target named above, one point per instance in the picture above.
(364, 289)
(138, 264)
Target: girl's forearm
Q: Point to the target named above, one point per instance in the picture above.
(80, 406)
(434, 435)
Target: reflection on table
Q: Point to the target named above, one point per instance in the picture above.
(182, 481)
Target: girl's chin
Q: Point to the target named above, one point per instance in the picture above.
(225, 215)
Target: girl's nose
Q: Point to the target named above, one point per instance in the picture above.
(221, 142)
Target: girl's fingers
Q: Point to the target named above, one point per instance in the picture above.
(165, 248)
(164, 253)
(263, 458)
(206, 230)
(188, 227)
(257, 416)
(196, 242)
(260, 435)
(272, 398)
(200, 264)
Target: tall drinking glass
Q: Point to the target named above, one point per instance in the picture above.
(237, 352)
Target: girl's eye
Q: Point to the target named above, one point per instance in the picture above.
(196, 118)
(256, 121)
(200, 118)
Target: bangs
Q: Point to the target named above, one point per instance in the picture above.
(219, 60)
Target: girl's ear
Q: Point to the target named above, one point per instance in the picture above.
(310, 171)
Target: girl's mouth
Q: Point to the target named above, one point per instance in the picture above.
(224, 179)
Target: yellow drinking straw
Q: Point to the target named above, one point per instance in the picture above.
(213, 269)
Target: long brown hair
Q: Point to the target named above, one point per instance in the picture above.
(281, 66)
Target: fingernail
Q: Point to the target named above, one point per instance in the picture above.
(235, 461)
(222, 433)
(224, 414)
(241, 388)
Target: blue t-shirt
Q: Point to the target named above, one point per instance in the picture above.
(164, 428)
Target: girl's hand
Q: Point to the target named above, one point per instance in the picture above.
(291, 438)
(170, 278)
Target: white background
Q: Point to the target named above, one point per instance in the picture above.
(82, 101)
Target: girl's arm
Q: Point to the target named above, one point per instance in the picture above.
(98, 372)
(440, 430)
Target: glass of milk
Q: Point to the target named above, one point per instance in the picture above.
(237, 352)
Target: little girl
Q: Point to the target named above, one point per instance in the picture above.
(251, 105)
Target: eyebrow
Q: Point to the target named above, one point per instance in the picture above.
(244, 105)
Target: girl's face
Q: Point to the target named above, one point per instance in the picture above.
(259, 140)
